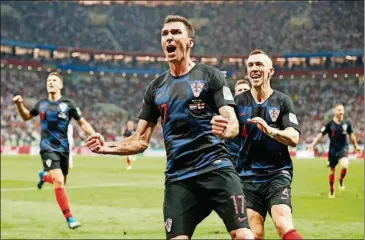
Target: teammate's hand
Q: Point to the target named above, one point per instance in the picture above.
(261, 124)
(219, 125)
(17, 99)
(95, 143)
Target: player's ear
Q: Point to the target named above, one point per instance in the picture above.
(272, 71)
(190, 43)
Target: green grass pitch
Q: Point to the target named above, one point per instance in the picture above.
(113, 203)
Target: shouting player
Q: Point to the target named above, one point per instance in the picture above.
(337, 130)
(233, 145)
(199, 174)
(55, 114)
(268, 126)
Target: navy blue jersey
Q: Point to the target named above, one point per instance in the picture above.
(55, 117)
(128, 133)
(337, 135)
(261, 156)
(186, 105)
(233, 146)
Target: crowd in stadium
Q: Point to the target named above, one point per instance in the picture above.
(221, 28)
(313, 99)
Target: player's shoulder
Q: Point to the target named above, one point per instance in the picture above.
(347, 121)
(43, 100)
(243, 97)
(66, 100)
(158, 81)
(280, 95)
(210, 70)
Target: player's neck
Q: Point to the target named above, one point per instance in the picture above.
(54, 97)
(338, 119)
(260, 94)
(180, 68)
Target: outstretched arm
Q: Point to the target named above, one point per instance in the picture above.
(317, 140)
(85, 125)
(136, 143)
(289, 136)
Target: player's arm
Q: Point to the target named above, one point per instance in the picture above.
(226, 124)
(134, 144)
(137, 142)
(320, 136)
(317, 140)
(77, 115)
(23, 111)
(290, 135)
(85, 126)
(354, 141)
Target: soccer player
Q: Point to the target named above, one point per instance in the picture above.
(55, 114)
(242, 85)
(337, 129)
(199, 174)
(127, 133)
(233, 145)
(71, 142)
(268, 126)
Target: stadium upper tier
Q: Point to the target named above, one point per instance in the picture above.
(229, 28)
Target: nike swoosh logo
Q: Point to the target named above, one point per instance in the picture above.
(241, 219)
(283, 198)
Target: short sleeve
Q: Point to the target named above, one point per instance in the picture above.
(221, 91)
(289, 118)
(35, 110)
(75, 111)
(325, 129)
(349, 128)
(149, 111)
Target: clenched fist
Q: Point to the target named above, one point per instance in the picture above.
(219, 126)
(17, 99)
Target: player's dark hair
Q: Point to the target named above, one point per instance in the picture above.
(188, 25)
(244, 80)
(259, 51)
(56, 74)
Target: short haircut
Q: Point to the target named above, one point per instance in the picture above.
(338, 104)
(244, 80)
(55, 74)
(177, 18)
(259, 51)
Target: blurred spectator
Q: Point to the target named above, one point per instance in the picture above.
(229, 28)
(313, 100)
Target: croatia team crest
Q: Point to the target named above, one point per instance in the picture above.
(168, 224)
(274, 114)
(63, 106)
(197, 88)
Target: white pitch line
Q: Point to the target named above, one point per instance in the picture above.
(83, 186)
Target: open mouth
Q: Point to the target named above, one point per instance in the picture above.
(170, 48)
(255, 76)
